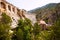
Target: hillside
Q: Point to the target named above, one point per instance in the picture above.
(49, 12)
(43, 7)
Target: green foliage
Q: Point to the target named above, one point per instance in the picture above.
(5, 27)
(56, 30)
(26, 31)
(23, 31)
(37, 28)
(50, 13)
(5, 18)
(36, 31)
(19, 34)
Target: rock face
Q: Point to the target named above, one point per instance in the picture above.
(50, 12)
(14, 12)
(10, 10)
(31, 16)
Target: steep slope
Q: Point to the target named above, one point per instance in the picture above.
(36, 10)
(50, 12)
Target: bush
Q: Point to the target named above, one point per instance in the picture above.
(5, 27)
(5, 18)
(23, 31)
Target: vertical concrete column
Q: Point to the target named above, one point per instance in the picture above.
(11, 9)
(0, 5)
(6, 7)
(20, 13)
(0, 8)
(15, 10)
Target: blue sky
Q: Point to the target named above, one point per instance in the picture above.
(31, 4)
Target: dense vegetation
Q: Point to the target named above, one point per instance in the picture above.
(5, 22)
(26, 31)
(23, 31)
(29, 32)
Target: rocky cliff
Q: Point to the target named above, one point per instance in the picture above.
(50, 12)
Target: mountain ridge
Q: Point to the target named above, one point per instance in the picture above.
(45, 6)
(50, 12)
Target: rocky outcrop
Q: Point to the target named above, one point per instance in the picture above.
(15, 13)
(50, 12)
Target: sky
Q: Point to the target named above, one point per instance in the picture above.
(31, 4)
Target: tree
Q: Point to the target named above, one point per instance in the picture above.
(5, 27)
(19, 34)
(36, 31)
(56, 30)
(23, 31)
